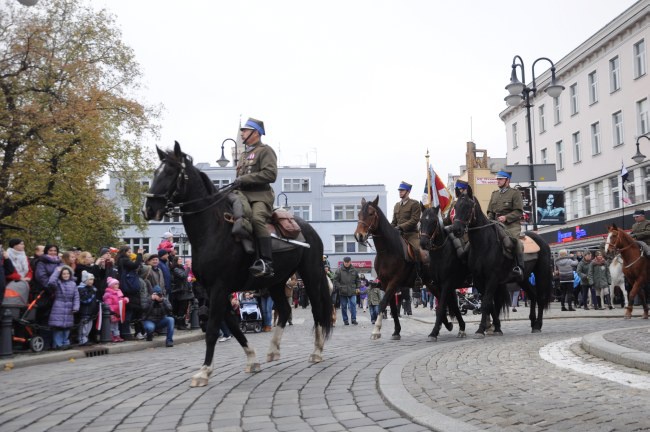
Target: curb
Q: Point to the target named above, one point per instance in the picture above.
(393, 391)
(595, 344)
(32, 359)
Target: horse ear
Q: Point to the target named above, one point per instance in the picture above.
(363, 202)
(421, 207)
(375, 202)
(161, 154)
(177, 150)
(614, 227)
(470, 192)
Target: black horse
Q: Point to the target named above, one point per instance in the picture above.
(221, 264)
(447, 271)
(397, 275)
(491, 268)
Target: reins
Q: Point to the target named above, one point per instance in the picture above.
(617, 249)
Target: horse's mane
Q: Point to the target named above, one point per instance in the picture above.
(393, 239)
(172, 159)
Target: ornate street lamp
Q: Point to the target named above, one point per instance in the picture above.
(518, 92)
(223, 161)
(640, 157)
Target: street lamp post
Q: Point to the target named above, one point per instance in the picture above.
(223, 161)
(640, 157)
(519, 91)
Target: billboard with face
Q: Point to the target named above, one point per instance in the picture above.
(550, 207)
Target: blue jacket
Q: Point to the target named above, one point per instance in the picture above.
(66, 300)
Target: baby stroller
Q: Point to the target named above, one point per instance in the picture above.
(23, 313)
(251, 316)
(469, 302)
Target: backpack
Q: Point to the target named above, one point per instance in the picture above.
(130, 284)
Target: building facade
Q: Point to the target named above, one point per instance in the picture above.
(589, 132)
(331, 209)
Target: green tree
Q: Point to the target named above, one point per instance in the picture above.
(68, 116)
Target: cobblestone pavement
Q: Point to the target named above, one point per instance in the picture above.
(499, 383)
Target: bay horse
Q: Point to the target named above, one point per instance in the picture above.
(636, 266)
(393, 270)
(220, 263)
(491, 268)
(447, 270)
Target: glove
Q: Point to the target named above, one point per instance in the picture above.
(236, 184)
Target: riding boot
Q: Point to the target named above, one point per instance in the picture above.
(518, 269)
(462, 250)
(263, 267)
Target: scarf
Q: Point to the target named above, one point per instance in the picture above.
(19, 260)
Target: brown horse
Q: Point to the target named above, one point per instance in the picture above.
(395, 272)
(636, 266)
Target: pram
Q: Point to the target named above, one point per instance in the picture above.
(251, 316)
(469, 302)
(23, 313)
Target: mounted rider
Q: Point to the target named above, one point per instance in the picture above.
(406, 216)
(507, 207)
(641, 231)
(256, 170)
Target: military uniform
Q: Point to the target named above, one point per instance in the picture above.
(257, 169)
(641, 231)
(406, 217)
(507, 202)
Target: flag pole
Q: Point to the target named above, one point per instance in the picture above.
(429, 204)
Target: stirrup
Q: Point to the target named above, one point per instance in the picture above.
(261, 268)
(517, 272)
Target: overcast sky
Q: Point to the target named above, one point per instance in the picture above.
(361, 88)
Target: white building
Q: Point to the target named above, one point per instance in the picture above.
(331, 209)
(591, 129)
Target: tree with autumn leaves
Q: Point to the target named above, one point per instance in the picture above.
(68, 116)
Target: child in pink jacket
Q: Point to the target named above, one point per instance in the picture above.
(112, 297)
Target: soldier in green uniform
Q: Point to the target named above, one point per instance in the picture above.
(256, 170)
(506, 206)
(641, 230)
(406, 216)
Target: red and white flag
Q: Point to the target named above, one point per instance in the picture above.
(98, 322)
(122, 307)
(437, 192)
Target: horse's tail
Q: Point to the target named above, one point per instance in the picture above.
(324, 318)
(543, 271)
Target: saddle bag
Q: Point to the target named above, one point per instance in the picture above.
(285, 223)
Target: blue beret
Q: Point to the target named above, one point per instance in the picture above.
(254, 124)
(405, 186)
(504, 174)
(461, 184)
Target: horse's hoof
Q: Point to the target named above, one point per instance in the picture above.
(375, 336)
(496, 333)
(432, 339)
(461, 334)
(272, 357)
(253, 368)
(396, 337)
(199, 382)
(449, 326)
(315, 358)
(627, 317)
(536, 331)
(645, 316)
(478, 335)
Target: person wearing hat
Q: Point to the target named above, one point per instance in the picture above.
(256, 170)
(156, 275)
(88, 305)
(346, 280)
(507, 207)
(167, 242)
(641, 230)
(406, 216)
(156, 315)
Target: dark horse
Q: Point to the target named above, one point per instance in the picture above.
(447, 271)
(221, 264)
(491, 267)
(393, 270)
(636, 266)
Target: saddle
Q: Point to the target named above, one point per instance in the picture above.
(511, 245)
(411, 254)
(282, 225)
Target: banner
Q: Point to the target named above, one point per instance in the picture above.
(550, 207)
(437, 193)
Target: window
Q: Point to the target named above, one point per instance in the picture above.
(542, 119)
(573, 196)
(595, 138)
(515, 142)
(219, 183)
(646, 184)
(137, 242)
(559, 152)
(556, 110)
(348, 244)
(617, 128)
(586, 200)
(613, 187)
(592, 78)
(302, 211)
(639, 59)
(573, 92)
(126, 215)
(642, 116)
(346, 212)
(614, 74)
(295, 185)
(600, 197)
(544, 156)
(577, 151)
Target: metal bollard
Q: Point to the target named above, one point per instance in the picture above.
(194, 315)
(6, 334)
(105, 332)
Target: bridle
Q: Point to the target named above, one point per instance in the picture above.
(180, 189)
(431, 245)
(373, 225)
(472, 217)
(617, 249)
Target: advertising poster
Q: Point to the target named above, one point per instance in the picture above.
(550, 207)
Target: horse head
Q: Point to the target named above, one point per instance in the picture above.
(430, 227)
(368, 220)
(464, 212)
(612, 241)
(169, 185)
